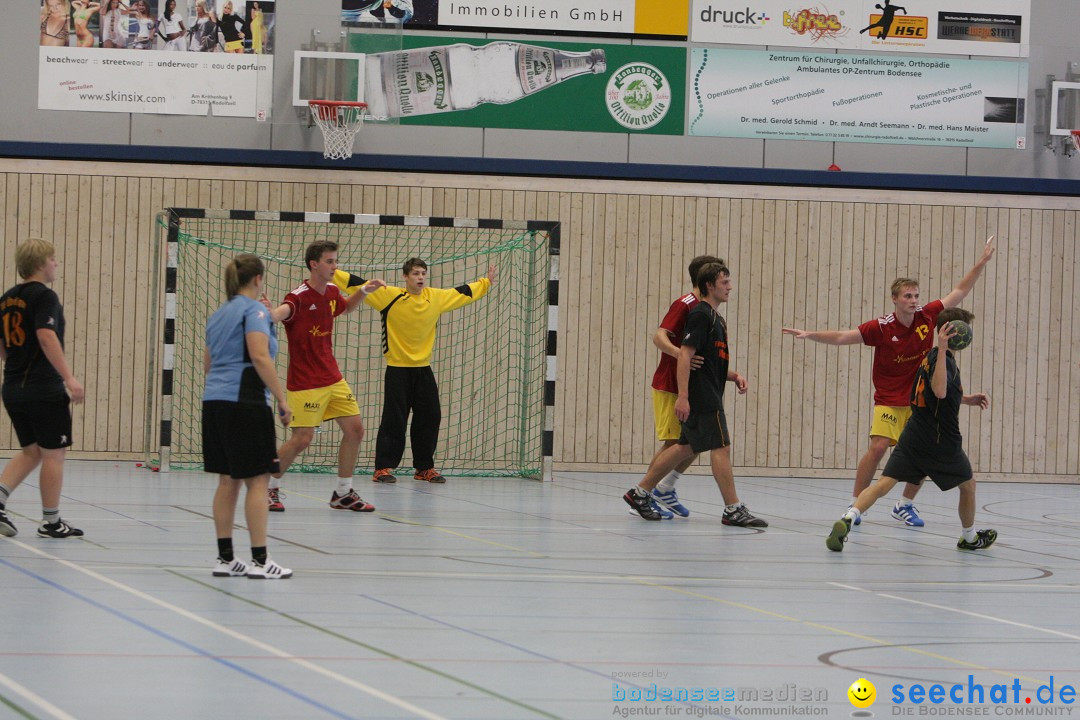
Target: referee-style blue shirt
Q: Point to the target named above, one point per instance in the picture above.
(232, 376)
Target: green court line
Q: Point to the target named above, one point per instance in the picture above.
(372, 648)
(22, 711)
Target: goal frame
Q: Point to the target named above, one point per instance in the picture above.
(172, 221)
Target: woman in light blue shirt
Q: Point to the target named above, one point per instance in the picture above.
(239, 442)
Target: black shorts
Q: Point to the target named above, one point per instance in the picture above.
(44, 422)
(911, 464)
(705, 431)
(238, 440)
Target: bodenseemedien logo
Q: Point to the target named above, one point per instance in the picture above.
(638, 96)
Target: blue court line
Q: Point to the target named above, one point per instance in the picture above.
(182, 643)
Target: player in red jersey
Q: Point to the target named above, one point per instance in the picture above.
(316, 389)
(900, 340)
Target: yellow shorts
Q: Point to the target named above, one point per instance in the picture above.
(235, 46)
(663, 407)
(889, 421)
(311, 407)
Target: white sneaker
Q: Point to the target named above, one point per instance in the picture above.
(235, 568)
(270, 571)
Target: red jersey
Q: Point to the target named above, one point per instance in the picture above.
(898, 350)
(674, 322)
(310, 330)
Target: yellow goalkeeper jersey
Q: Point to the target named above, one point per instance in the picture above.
(409, 321)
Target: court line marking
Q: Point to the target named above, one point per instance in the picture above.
(30, 696)
(969, 613)
(229, 632)
(353, 641)
(839, 631)
(403, 521)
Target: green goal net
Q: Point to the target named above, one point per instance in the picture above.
(489, 356)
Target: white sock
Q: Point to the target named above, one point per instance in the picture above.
(344, 486)
(668, 483)
(853, 514)
(275, 483)
(969, 534)
(733, 508)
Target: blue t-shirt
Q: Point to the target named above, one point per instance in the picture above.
(232, 376)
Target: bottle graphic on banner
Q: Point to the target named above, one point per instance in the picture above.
(458, 77)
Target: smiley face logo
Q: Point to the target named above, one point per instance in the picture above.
(862, 693)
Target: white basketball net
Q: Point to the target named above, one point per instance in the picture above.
(339, 124)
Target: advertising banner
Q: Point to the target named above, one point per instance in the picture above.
(955, 27)
(803, 95)
(192, 58)
(649, 18)
(501, 84)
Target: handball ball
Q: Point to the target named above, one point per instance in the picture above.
(963, 336)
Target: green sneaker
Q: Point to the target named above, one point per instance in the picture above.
(838, 536)
(983, 539)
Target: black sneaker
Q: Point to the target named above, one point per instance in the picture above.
(58, 530)
(983, 539)
(741, 517)
(640, 501)
(838, 536)
(7, 528)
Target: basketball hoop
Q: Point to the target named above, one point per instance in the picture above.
(340, 121)
(1075, 135)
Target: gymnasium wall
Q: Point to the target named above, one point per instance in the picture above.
(813, 258)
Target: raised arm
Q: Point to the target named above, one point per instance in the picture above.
(827, 337)
(939, 379)
(958, 293)
(358, 297)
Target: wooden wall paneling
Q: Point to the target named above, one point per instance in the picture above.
(7, 275)
(773, 391)
(99, 341)
(833, 225)
(1057, 409)
(48, 206)
(113, 278)
(760, 334)
(651, 306)
(603, 322)
(620, 302)
(801, 389)
(23, 214)
(570, 291)
(593, 323)
(817, 314)
(1071, 378)
(1042, 231)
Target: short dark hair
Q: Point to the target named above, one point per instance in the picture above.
(950, 314)
(697, 263)
(708, 273)
(316, 250)
(411, 263)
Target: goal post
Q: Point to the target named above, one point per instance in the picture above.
(494, 359)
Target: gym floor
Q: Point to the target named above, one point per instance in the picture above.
(507, 598)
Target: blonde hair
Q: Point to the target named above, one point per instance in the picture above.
(900, 283)
(32, 255)
(240, 272)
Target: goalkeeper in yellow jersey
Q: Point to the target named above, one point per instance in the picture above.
(409, 317)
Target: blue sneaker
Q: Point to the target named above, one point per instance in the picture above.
(858, 520)
(907, 514)
(670, 501)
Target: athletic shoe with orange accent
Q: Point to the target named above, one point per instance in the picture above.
(430, 475)
(350, 501)
(383, 475)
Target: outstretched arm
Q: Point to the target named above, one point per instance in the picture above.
(958, 293)
(828, 337)
(358, 297)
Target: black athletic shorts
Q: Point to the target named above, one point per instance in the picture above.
(45, 422)
(705, 431)
(912, 464)
(238, 439)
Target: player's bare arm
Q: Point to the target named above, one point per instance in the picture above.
(662, 340)
(958, 293)
(682, 376)
(358, 297)
(741, 383)
(826, 337)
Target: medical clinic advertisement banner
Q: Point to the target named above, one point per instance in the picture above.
(646, 18)
(469, 82)
(954, 27)
(895, 99)
(179, 57)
